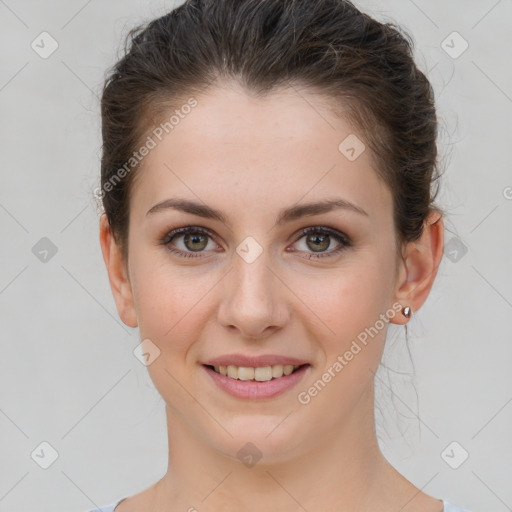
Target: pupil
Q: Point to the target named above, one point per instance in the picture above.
(194, 239)
(323, 244)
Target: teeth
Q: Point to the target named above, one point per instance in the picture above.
(262, 373)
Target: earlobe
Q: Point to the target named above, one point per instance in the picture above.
(419, 266)
(117, 274)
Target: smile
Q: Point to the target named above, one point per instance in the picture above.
(260, 374)
(256, 383)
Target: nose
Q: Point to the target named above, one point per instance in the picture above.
(254, 303)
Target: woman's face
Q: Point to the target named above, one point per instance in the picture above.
(253, 284)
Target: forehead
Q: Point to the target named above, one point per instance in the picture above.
(233, 147)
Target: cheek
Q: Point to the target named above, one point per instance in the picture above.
(172, 316)
(174, 302)
(349, 298)
(350, 302)
(170, 301)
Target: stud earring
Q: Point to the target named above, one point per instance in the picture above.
(406, 311)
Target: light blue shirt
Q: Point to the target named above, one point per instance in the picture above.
(448, 507)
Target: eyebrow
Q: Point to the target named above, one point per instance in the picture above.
(285, 215)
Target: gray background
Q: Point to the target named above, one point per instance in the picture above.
(67, 372)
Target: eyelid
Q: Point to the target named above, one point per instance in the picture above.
(173, 232)
(328, 229)
(177, 232)
(344, 241)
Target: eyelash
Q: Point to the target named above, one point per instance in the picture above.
(343, 240)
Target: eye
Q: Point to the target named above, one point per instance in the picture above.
(319, 238)
(194, 239)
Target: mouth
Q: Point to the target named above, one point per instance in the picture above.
(256, 383)
(256, 374)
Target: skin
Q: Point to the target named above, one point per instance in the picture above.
(251, 157)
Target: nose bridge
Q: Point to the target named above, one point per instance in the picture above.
(253, 278)
(253, 300)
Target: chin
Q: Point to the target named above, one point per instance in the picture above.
(260, 439)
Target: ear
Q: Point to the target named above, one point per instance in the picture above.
(419, 265)
(117, 274)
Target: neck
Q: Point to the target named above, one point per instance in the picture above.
(338, 470)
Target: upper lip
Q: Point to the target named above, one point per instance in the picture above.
(254, 361)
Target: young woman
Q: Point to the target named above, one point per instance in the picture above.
(268, 177)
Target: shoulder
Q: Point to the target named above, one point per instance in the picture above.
(448, 507)
(108, 508)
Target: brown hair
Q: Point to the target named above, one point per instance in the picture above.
(363, 67)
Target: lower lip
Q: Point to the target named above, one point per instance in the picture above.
(253, 389)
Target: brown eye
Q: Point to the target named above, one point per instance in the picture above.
(319, 239)
(193, 240)
(196, 242)
(318, 242)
